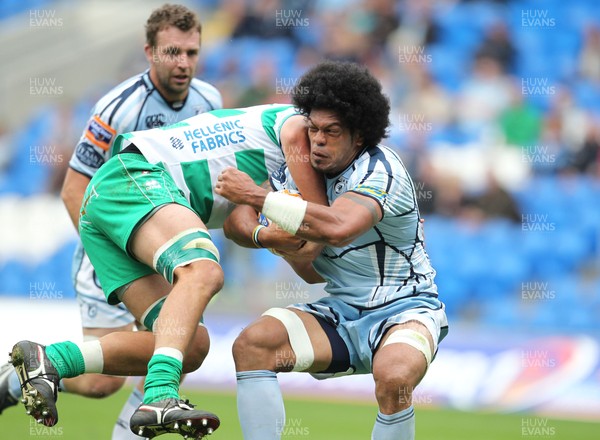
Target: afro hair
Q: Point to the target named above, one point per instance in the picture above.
(351, 92)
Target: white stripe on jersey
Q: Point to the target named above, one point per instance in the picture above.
(106, 104)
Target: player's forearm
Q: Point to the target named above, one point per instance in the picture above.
(240, 225)
(316, 223)
(72, 193)
(306, 271)
(243, 228)
(350, 216)
(323, 225)
(337, 225)
(320, 224)
(311, 184)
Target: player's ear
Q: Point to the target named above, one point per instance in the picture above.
(149, 51)
(358, 140)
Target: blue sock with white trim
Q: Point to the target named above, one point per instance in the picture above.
(121, 430)
(260, 405)
(399, 426)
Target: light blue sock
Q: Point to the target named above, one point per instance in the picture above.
(14, 386)
(399, 426)
(121, 430)
(260, 405)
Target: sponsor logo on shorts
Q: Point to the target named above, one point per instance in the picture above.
(152, 184)
(92, 311)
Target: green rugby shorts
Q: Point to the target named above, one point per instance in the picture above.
(124, 191)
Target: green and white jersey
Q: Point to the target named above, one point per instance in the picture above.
(196, 150)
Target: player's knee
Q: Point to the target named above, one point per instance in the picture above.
(201, 273)
(256, 347)
(394, 381)
(197, 351)
(248, 341)
(103, 386)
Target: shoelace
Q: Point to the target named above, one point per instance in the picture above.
(187, 402)
(48, 376)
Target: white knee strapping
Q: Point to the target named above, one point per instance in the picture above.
(412, 338)
(299, 339)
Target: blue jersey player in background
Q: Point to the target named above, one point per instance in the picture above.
(382, 314)
(166, 93)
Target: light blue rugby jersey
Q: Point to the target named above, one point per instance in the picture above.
(134, 105)
(388, 261)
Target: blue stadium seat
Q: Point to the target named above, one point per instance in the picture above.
(579, 319)
(10, 8)
(586, 94)
(453, 292)
(15, 278)
(544, 317)
(507, 271)
(54, 274)
(449, 65)
(27, 173)
(500, 312)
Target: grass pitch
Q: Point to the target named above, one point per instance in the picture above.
(81, 418)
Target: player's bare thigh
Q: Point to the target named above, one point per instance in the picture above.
(265, 344)
(97, 333)
(166, 223)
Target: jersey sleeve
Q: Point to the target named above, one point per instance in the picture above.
(93, 148)
(281, 179)
(214, 97)
(392, 190)
(273, 117)
(108, 118)
(280, 119)
(375, 186)
(210, 93)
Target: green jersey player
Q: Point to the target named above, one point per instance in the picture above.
(143, 223)
(167, 92)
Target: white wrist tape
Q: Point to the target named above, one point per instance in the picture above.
(285, 210)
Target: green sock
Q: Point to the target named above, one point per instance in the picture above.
(66, 358)
(162, 380)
